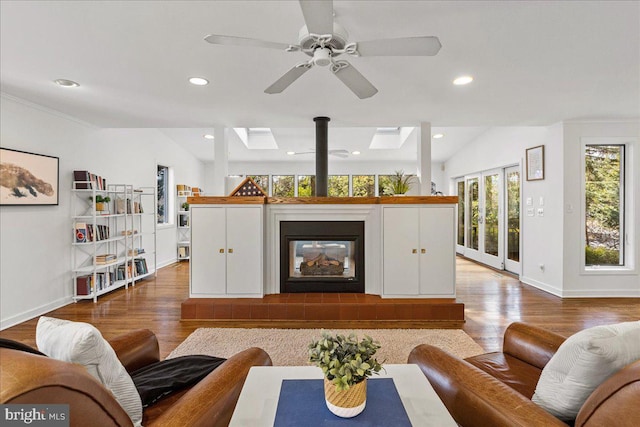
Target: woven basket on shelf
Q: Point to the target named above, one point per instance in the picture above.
(346, 403)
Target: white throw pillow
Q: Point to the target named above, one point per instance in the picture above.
(82, 343)
(582, 363)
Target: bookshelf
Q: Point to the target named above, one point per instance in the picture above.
(114, 243)
(183, 222)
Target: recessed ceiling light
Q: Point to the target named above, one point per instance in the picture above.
(209, 136)
(198, 81)
(291, 153)
(355, 153)
(438, 135)
(66, 83)
(463, 80)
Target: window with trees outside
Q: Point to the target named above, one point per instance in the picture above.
(604, 185)
(338, 186)
(363, 185)
(283, 186)
(384, 185)
(306, 185)
(163, 195)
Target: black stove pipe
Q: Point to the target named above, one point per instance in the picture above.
(322, 155)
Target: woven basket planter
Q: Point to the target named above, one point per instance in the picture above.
(346, 403)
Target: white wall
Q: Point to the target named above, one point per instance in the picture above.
(541, 235)
(35, 241)
(576, 282)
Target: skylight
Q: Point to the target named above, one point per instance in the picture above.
(389, 138)
(257, 138)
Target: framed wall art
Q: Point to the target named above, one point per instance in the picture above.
(535, 163)
(28, 178)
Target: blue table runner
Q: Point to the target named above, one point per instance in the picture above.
(301, 404)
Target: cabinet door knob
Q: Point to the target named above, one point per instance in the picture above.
(221, 251)
(230, 250)
(414, 251)
(423, 251)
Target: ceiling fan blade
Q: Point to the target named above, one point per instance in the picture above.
(407, 46)
(289, 77)
(354, 80)
(243, 41)
(318, 15)
(341, 155)
(338, 152)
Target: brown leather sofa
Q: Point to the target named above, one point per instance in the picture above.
(495, 389)
(33, 379)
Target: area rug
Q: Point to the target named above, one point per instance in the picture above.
(289, 347)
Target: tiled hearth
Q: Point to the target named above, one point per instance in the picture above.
(323, 307)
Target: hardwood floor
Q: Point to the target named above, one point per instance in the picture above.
(492, 301)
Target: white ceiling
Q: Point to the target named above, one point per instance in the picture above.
(534, 63)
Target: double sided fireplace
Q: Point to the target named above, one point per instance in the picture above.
(321, 256)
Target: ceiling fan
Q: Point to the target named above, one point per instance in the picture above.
(325, 40)
(338, 153)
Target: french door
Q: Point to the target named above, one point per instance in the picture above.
(489, 218)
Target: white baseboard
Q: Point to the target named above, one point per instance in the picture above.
(542, 286)
(167, 262)
(35, 312)
(599, 293)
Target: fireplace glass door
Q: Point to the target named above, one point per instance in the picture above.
(321, 256)
(326, 258)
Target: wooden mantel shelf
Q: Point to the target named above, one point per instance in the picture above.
(386, 200)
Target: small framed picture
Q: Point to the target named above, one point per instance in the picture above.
(535, 163)
(28, 178)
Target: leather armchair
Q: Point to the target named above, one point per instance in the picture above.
(495, 389)
(33, 379)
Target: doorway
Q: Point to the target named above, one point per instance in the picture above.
(489, 218)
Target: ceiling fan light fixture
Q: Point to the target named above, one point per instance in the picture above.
(463, 80)
(66, 83)
(198, 81)
(322, 56)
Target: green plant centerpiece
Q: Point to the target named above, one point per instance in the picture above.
(346, 364)
(100, 201)
(399, 183)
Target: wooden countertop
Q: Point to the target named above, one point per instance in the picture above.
(385, 200)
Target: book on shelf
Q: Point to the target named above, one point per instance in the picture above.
(183, 251)
(81, 232)
(105, 258)
(83, 285)
(140, 266)
(83, 180)
(136, 252)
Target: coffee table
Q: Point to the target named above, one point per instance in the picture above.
(258, 399)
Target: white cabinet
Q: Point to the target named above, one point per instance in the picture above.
(226, 251)
(419, 251)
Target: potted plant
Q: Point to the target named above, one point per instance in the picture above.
(400, 183)
(346, 365)
(101, 202)
(185, 206)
